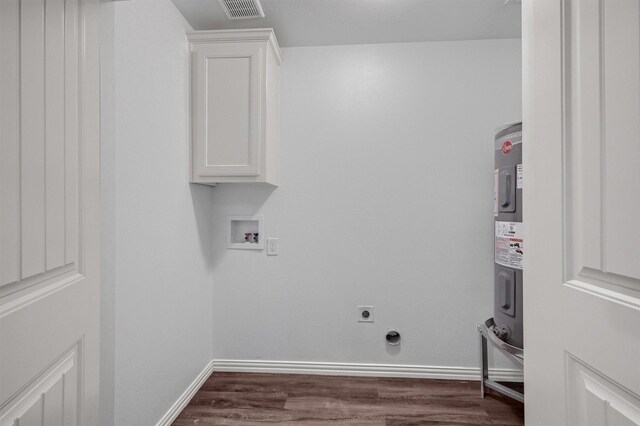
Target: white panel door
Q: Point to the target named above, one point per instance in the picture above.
(49, 212)
(582, 212)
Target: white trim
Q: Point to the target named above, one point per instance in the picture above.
(372, 370)
(239, 35)
(186, 396)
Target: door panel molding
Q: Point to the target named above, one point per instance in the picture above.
(594, 399)
(602, 103)
(56, 284)
(611, 281)
(601, 291)
(44, 168)
(25, 286)
(49, 392)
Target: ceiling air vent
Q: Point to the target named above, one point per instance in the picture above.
(242, 9)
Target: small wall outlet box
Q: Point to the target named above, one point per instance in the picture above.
(365, 313)
(245, 232)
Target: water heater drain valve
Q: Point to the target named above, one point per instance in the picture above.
(502, 331)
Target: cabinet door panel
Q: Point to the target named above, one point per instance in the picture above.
(228, 112)
(227, 109)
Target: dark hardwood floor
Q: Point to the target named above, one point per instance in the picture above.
(291, 399)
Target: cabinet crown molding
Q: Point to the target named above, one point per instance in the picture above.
(236, 36)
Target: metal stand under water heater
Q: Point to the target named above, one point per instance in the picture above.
(509, 240)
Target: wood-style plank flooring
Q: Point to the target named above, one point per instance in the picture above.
(291, 399)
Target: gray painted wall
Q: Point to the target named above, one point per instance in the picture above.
(386, 200)
(157, 277)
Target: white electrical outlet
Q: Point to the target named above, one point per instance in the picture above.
(365, 313)
(272, 246)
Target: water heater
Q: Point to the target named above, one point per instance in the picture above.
(509, 240)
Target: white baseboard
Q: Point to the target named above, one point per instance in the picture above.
(186, 396)
(372, 370)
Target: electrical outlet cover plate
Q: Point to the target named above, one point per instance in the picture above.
(272, 246)
(365, 313)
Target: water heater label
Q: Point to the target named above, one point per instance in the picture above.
(509, 245)
(519, 177)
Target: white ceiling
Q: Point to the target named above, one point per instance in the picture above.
(331, 22)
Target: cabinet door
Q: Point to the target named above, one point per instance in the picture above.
(227, 109)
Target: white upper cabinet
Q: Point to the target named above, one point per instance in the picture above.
(235, 106)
